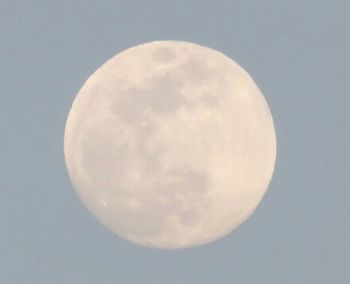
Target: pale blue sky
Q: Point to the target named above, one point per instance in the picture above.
(298, 53)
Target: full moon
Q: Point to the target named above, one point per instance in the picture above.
(170, 144)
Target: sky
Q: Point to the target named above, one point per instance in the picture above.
(298, 54)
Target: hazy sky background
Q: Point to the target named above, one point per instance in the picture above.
(297, 52)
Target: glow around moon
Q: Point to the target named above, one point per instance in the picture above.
(170, 144)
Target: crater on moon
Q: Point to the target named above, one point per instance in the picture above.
(170, 144)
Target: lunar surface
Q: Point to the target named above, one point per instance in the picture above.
(170, 144)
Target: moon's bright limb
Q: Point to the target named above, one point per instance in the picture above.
(170, 144)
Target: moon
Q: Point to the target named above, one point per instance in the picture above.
(170, 144)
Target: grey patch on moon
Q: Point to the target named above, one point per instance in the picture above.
(151, 159)
(197, 70)
(211, 100)
(163, 54)
(145, 129)
(165, 94)
(207, 100)
(196, 181)
(181, 194)
(162, 96)
(131, 105)
(185, 193)
(108, 165)
(132, 222)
